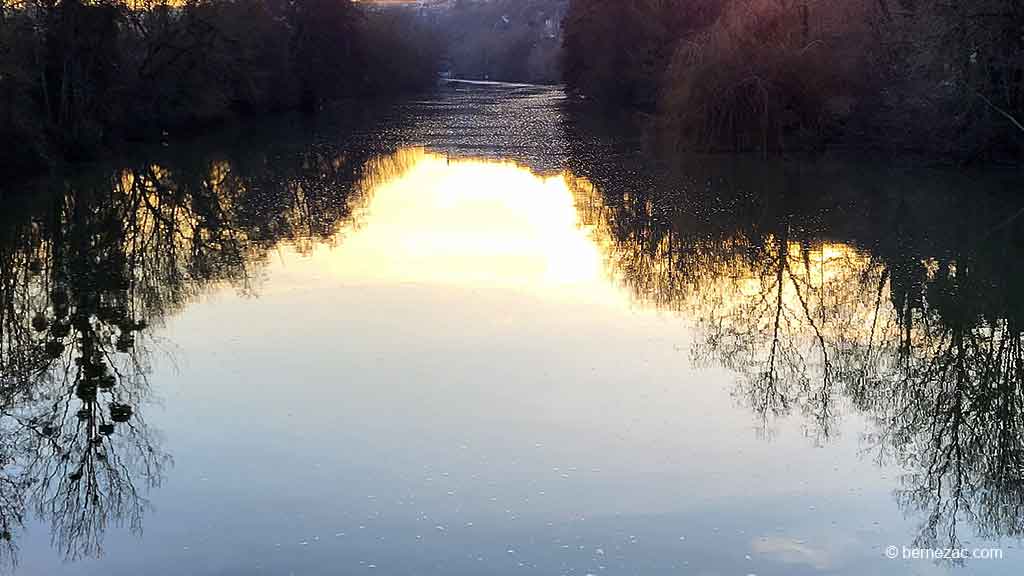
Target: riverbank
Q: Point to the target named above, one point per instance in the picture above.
(777, 78)
(80, 80)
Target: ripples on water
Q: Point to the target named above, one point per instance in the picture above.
(480, 334)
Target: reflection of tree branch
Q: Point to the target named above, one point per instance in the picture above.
(79, 286)
(927, 348)
(770, 373)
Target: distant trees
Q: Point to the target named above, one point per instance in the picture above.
(324, 48)
(400, 52)
(773, 76)
(962, 64)
(618, 51)
(18, 78)
(504, 40)
(78, 74)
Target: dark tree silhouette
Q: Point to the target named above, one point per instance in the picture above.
(86, 271)
(907, 311)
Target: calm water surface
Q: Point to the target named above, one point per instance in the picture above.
(482, 334)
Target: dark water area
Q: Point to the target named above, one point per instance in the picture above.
(483, 332)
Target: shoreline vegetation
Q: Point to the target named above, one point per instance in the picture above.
(504, 40)
(876, 78)
(920, 77)
(80, 77)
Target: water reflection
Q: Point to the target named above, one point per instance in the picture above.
(93, 267)
(828, 293)
(470, 222)
(821, 309)
(76, 449)
(85, 271)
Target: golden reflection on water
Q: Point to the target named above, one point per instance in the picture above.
(787, 317)
(420, 217)
(473, 223)
(765, 306)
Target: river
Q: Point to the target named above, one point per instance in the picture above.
(486, 332)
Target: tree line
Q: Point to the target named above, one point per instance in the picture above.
(941, 78)
(504, 40)
(79, 75)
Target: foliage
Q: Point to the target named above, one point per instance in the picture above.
(401, 52)
(504, 40)
(77, 75)
(774, 76)
(618, 51)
